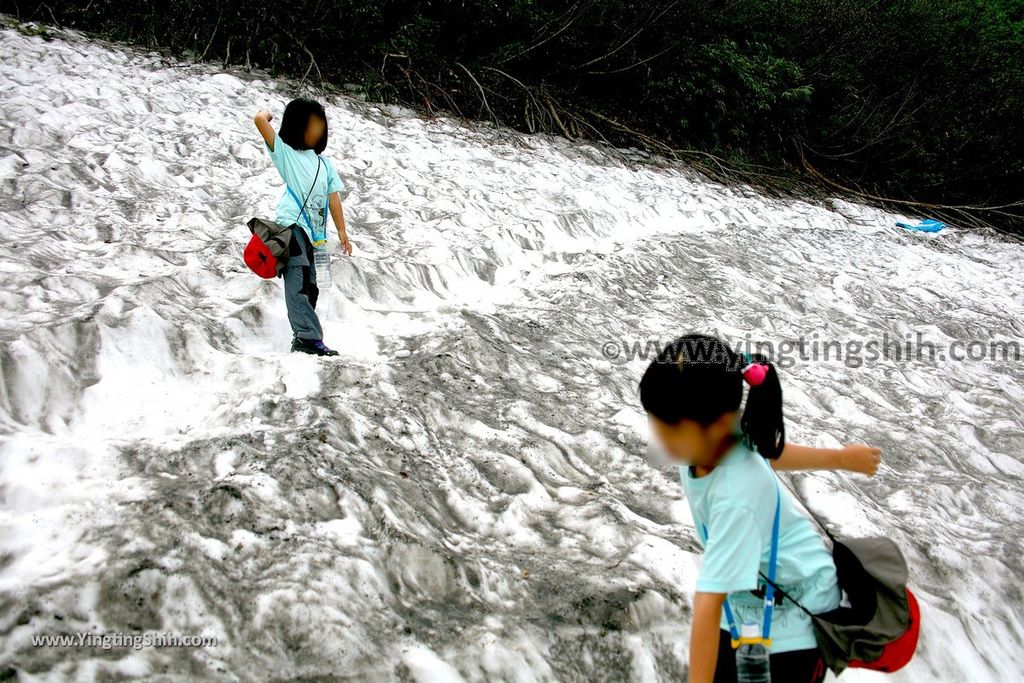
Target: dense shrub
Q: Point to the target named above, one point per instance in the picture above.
(909, 99)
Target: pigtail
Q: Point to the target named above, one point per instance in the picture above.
(762, 421)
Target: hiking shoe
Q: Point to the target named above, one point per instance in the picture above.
(314, 347)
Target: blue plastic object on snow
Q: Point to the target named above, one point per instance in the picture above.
(927, 225)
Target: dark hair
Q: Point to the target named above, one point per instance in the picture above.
(294, 122)
(700, 378)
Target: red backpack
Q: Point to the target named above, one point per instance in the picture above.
(878, 625)
(879, 629)
(267, 250)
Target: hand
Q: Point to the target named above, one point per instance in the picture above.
(346, 246)
(858, 457)
(266, 113)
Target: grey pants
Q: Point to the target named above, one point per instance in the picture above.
(300, 290)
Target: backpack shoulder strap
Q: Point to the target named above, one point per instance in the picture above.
(302, 204)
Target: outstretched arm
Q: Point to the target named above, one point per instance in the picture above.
(262, 121)
(854, 458)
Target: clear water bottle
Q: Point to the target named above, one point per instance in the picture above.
(322, 264)
(752, 663)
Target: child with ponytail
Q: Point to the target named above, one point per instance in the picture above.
(692, 394)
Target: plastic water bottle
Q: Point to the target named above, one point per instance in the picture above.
(322, 264)
(752, 663)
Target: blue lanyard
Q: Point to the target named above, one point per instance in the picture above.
(769, 591)
(302, 208)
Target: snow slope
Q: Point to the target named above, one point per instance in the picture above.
(463, 494)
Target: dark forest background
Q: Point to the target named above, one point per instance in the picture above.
(916, 101)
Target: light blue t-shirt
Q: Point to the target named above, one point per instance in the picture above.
(736, 502)
(298, 169)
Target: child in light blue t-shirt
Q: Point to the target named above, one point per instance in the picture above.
(312, 189)
(692, 394)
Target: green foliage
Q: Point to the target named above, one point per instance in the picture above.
(912, 99)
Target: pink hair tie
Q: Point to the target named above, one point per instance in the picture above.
(754, 373)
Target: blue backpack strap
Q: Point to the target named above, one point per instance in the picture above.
(733, 631)
(302, 209)
(302, 205)
(773, 560)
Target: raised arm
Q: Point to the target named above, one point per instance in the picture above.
(262, 121)
(854, 458)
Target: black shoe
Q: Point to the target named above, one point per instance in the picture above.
(314, 347)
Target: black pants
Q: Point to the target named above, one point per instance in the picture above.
(799, 666)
